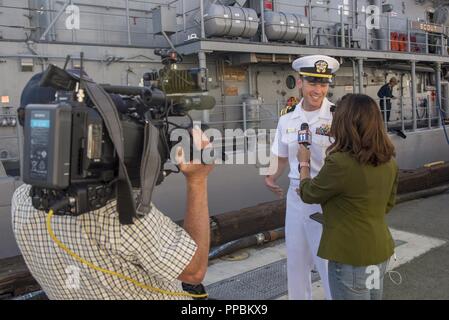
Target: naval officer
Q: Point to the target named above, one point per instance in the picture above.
(302, 233)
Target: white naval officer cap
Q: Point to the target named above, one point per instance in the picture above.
(316, 68)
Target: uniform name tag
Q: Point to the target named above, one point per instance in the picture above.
(292, 130)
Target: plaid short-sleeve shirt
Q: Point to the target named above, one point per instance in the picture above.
(154, 251)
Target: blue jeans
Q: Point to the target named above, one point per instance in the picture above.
(349, 282)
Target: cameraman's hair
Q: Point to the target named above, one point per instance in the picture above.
(358, 129)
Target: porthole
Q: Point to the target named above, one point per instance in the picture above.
(291, 82)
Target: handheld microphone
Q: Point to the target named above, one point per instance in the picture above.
(304, 136)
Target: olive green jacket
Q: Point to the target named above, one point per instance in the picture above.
(354, 199)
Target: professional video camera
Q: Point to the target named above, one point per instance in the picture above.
(95, 142)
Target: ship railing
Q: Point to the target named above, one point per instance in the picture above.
(407, 116)
(131, 24)
(119, 25)
(101, 23)
(412, 36)
(246, 120)
(245, 116)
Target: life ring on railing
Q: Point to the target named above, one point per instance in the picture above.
(402, 42)
(394, 44)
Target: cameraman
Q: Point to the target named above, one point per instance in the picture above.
(154, 251)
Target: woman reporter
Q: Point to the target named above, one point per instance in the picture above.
(356, 188)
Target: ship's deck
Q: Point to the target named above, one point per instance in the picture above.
(230, 45)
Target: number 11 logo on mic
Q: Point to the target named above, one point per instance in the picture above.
(304, 136)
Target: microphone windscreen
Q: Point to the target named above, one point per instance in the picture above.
(304, 126)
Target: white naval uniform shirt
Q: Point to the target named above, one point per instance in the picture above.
(285, 142)
(154, 251)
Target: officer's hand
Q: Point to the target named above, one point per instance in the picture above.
(195, 170)
(303, 154)
(271, 184)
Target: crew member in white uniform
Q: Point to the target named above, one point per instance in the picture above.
(302, 233)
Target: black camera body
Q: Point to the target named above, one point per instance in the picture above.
(70, 158)
(68, 153)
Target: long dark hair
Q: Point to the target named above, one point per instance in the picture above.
(358, 129)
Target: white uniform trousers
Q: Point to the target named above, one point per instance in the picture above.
(302, 236)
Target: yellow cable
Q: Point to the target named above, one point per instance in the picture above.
(92, 266)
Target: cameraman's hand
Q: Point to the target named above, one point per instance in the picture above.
(193, 171)
(196, 221)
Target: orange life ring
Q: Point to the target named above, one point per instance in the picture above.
(394, 37)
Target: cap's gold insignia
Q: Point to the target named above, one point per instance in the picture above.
(321, 66)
